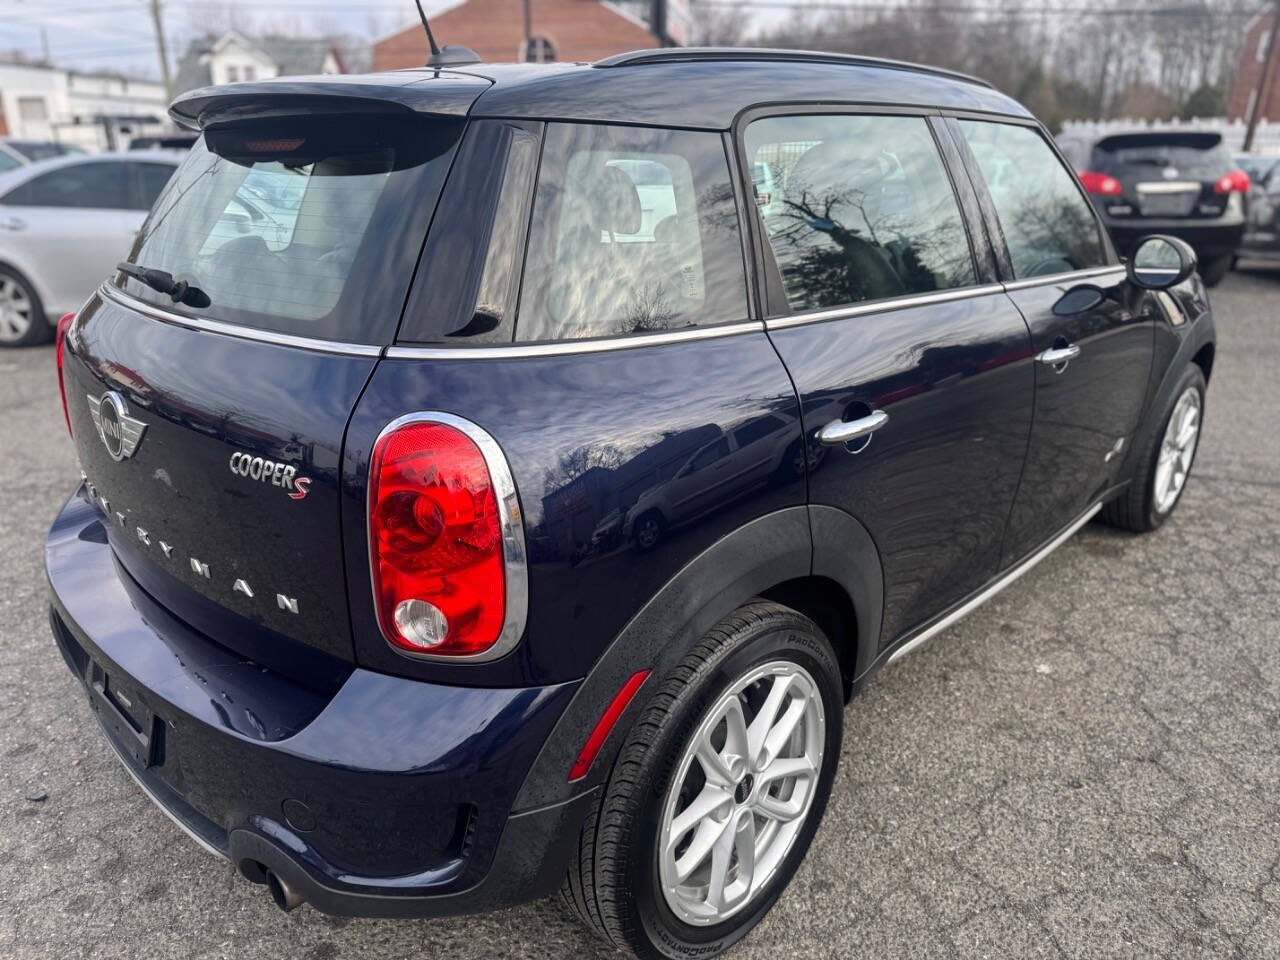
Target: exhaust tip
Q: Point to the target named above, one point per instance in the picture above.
(283, 895)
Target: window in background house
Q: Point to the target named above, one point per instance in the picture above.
(250, 73)
(539, 50)
(33, 110)
(233, 74)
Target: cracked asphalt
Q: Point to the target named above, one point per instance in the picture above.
(1089, 766)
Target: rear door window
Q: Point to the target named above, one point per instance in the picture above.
(100, 185)
(858, 208)
(1049, 227)
(633, 230)
(303, 227)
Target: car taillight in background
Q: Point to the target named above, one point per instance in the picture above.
(446, 540)
(1237, 181)
(64, 324)
(1101, 184)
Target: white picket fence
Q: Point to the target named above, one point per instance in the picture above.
(1266, 138)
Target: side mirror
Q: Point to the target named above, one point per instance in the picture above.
(1082, 297)
(1160, 262)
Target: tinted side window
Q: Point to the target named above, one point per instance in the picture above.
(150, 180)
(95, 185)
(634, 229)
(860, 208)
(1048, 225)
(468, 284)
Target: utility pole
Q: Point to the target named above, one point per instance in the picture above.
(528, 27)
(157, 17)
(1263, 88)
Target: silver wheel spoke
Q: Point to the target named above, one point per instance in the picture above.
(704, 804)
(705, 839)
(784, 768)
(782, 810)
(782, 731)
(767, 717)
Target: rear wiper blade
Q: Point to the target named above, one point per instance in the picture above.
(159, 280)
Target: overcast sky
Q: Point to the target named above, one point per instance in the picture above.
(117, 34)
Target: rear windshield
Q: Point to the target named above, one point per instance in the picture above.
(302, 227)
(1190, 153)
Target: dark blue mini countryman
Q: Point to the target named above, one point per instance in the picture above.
(497, 480)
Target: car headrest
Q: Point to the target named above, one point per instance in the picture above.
(615, 204)
(833, 165)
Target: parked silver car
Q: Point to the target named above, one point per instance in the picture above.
(64, 224)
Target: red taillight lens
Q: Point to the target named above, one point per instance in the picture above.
(64, 324)
(437, 541)
(1237, 181)
(1101, 184)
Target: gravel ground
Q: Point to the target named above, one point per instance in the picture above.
(1086, 767)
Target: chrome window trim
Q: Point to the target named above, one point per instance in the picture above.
(1009, 577)
(111, 292)
(1068, 277)
(514, 558)
(877, 306)
(556, 347)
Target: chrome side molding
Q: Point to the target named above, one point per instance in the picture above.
(916, 642)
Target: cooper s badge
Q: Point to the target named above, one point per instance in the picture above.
(120, 432)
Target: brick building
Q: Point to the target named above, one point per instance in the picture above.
(495, 29)
(1253, 54)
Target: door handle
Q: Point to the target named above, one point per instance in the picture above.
(839, 432)
(13, 223)
(1058, 356)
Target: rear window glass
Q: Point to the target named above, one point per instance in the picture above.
(303, 228)
(634, 230)
(1194, 154)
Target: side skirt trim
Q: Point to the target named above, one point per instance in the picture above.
(990, 591)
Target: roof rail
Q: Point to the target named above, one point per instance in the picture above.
(694, 54)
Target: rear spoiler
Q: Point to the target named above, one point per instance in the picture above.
(437, 92)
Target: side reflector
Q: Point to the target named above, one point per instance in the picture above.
(601, 732)
(63, 324)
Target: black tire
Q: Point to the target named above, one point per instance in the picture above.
(1135, 508)
(613, 886)
(1213, 272)
(39, 330)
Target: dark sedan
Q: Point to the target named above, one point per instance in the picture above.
(1181, 183)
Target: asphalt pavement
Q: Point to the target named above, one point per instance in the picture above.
(1088, 766)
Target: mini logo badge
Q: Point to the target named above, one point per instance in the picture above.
(120, 433)
(1169, 173)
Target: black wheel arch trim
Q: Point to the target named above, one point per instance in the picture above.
(1199, 334)
(792, 543)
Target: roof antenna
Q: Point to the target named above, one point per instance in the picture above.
(453, 54)
(435, 51)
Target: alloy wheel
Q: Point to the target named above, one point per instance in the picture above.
(15, 310)
(741, 792)
(1177, 450)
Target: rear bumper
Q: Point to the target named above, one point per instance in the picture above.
(382, 797)
(1209, 238)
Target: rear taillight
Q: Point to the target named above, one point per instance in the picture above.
(1101, 184)
(64, 324)
(445, 539)
(1237, 181)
